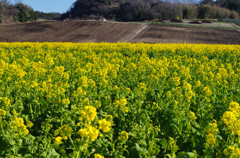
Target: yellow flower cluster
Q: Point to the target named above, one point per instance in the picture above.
(65, 131)
(212, 128)
(176, 81)
(2, 112)
(187, 86)
(66, 101)
(142, 86)
(89, 132)
(84, 81)
(207, 91)
(192, 115)
(98, 156)
(211, 139)
(123, 135)
(19, 127)
(89, 113)
(234, 106)
(5, 100)
(123, 102)
(212, 131)
(231, 118)
(104, 125)
(58, 140)
(235, 152)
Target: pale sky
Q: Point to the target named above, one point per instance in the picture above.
(48, 6)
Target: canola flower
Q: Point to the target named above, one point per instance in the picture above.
(19, 127)
(66, 101)
(123, 135)
(58, 140)
(98, 156)
(104, 125)
(89, 113)
(233, 106)
(89, 132)
(68, 98)
(192, 115)
(123, 102)
(2, 112)
(211, 139)
(5, 101)
(65, 131)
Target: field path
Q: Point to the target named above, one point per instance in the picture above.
(137, 32)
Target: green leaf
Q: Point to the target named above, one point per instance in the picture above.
(141, 150)
(184, 154)
(34, 149)
(99, 142)
(44, 154)
(44, 103)
(178, 130)
(164, 144)
(138, 147)
(52, 153)
(218, 136)
(190, 154)
(181, 154)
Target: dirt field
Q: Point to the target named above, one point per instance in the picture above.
(97, 31)
(68, 31)
(214, 24)
(170, 34)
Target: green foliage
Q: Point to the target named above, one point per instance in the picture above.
(25, 14)
(203, 12)
(1, 7)
(236, 21)
(33, 15)
(141, 10)
(185, 13)
(112, 16)
(48, 16)
(233, 5)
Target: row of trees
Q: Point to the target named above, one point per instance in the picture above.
(229, 4)
(140, 10)
(127, 10)
(17, 12)
(48, 16)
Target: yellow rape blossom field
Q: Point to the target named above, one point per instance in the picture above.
(119, 100)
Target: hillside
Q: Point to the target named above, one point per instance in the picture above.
(141, 10)
(97, 31)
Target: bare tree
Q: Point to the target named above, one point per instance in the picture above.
(4, 3)
(18, 1)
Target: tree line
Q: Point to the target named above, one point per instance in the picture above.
(140, 10)
(16, 12)
(127, 10)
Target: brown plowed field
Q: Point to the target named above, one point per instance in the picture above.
(97, 31)
(170, 34)
(68, 31)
